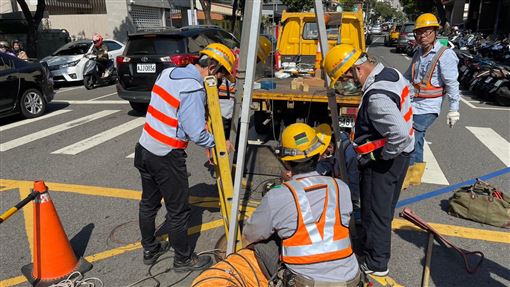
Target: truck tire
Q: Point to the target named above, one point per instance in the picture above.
(139, 107)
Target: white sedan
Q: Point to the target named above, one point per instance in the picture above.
(67, 63)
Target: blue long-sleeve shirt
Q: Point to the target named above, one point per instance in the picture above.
(445, 75)
(191, 114)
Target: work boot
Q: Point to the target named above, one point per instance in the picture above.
(417, 174)
(150, 257)
(407, 179)
(194, 263)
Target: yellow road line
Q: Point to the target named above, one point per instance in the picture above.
(458, 231)
(386, 281)
(28, 214)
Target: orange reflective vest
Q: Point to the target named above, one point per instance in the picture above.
(316, 241)
(425, 89)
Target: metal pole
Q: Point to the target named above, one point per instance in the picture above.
(425, 282)
(333, 108)
(256, 8)
(241, 73)
(192, 14)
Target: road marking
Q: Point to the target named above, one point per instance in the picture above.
(444, 229)
(482, 108)
(407, 58)
(28, 121)
(53, 130)
(88, 102)
(494, 142)
(457, 231)
(433, 173)
(131, 155)
(28, 215)
(103, 96)
(69, 89)
(100, 138)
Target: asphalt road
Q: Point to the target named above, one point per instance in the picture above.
(85, 144)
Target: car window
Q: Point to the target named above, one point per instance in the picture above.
(73, 49)
(6, 63)
(229, 40)
(112, 46)
(311, 32)
(197, 42)
(155, 46)
(408, 28)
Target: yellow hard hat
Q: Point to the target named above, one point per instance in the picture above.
(264, 48)
(426, 20)
(339, 60)
(301, 141)
(223, 55)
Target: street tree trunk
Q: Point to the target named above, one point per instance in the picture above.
(234, 17)
(33, 24)
(206, 6)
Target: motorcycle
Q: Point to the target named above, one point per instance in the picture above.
(93, 78)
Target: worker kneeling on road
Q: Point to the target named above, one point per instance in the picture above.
(383, 138)
(310, 213)
(175, 116)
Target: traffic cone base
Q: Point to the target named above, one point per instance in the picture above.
(54, 257)
(28, 271)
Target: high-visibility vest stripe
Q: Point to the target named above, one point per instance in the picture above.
(403, 97)
(167, 97)
(316, 241)
(370, 146)
(425, 89)
(409, 114)
(172, 142)
(162, 117)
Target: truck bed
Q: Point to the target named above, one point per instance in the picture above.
(283, 92)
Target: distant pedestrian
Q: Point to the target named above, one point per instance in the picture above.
(17, 49)
(175, 116)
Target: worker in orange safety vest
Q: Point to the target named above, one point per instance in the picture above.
(310, 213)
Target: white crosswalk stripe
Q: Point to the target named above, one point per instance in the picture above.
(433, 173)
(494, 142)
(53, 130)
(28, 121)
(100, 138)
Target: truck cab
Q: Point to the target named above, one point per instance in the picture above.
(299, 35)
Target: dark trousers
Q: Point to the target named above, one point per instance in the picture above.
(164, 177)
(380, 185)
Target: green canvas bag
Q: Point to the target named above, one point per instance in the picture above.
(481, 202)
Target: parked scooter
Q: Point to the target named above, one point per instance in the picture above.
(93, 78)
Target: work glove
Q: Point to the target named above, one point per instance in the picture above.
(452, 118)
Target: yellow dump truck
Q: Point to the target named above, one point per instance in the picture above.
(292, 101)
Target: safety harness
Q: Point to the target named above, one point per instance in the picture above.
(425, 89)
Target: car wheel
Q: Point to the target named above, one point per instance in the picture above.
(139, 107)
(32, 103)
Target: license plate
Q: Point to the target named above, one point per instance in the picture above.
(346, 122)
(488, 80)
(498, 83)
(146, 68)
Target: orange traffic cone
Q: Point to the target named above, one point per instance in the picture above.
(54, 258)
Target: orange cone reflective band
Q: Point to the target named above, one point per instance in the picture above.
(54, 258)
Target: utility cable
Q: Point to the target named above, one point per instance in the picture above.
(76, 279)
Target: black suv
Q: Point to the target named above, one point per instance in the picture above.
(148, 53)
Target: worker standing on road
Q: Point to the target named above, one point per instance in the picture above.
(310, 213)
(383, 139)
(176, 115)
(433, 73)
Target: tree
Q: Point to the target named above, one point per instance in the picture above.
(206, 7)
(410, 8)
(33, 22)
(298, 5)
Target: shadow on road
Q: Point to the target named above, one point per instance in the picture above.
(52, 107)
(447, 267)
(80, 241)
